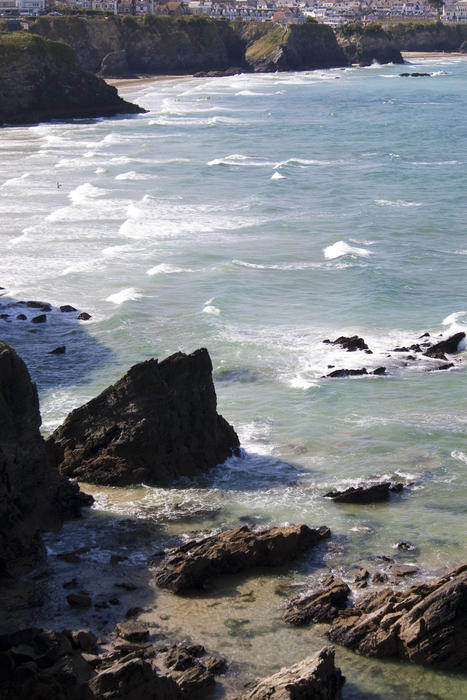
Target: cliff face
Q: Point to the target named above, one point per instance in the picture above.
(191, 44)
(295, 47)
(33, 496)
(157, 423)
(428, 36)
(40, 80)
(366, 44)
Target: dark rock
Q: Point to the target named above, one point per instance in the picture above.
(314, 678)
(215, 664)
(425, 335)
(126, 586)
(114, 601)
(397, 487)
(84, 316)
(379, 371)
(29, 487)
(182, 656)
(366, 44)
(195, 681)
(415, 75)
(78, 600)
(347, 373)
(21, 317)
(157, 423)
(85, 499)
(364, 493)
(133, 680)
(441, 367)
(232, 551)
(43, 81)
(69, 557)
(405, 546)
(361, 575)
(132, 631)
(321, 606)
(403, 569)
(42, 305)
(66, 308)
(133, 612)
(72, 583)
(42, 318)
(351, 344)
(379, 577)
(4, 316)
(84, 640)
(115, 64)
(426, 624)
(116, 559)
(58, 351)
(450, 345)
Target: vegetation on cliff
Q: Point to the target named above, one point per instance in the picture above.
(41, 80)
(365, 44)
(428, 36)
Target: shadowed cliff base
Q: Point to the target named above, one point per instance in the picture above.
(41, 80)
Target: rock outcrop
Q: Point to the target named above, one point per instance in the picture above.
(33, 496)
(365, 44)
(295, 47)
(157, 423)
(194, 563)
(450, 345)
(40, 80)
(428, 36)
(322, 605)
(365, 493)
(426, 624)
(315, 677)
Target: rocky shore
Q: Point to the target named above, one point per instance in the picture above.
(135, 430)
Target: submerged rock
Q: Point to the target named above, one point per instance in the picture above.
(156, 424)
(33, 496)
(192, 564)
(426, 624)
(321, 606)
(314, 678)
(365, 493)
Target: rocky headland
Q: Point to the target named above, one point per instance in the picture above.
(41, 80)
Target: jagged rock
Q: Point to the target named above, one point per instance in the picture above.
(157, 423)
(195, 681)
(321, 606)
(42, 318)
(84, 316)
(133, 680)
(314, 678)
(66, 309)
(337, 373)
(364, 493)
(415, 75)
(403, 569)
(364, 44)
(450, 345)
(426, 624)
(231, 551)
(33, 496)
(351, 344)
(132, 631)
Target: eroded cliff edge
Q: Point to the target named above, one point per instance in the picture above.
(41, 80)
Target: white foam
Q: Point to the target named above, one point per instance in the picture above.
(13, 181)
(84, 192)
(453, 318)
(302, 162)
(128, 294)
(241, 160)
(277, 176)
(165, 269)
(211, 309)
(341, 248)
(396, 203)
(131, 175)
(459, 456)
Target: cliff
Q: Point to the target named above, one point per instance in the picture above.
(191, 44)
(157, 423)
(365, 44)
(41, 80)
(33, 496)
(428, 36)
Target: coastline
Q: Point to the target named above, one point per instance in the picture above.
(433, 54)
(121, 82)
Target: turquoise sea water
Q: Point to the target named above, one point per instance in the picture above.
(258, 215)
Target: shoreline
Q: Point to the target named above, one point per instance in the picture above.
(433, 54)
(117, 82)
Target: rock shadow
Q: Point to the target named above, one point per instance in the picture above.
(36, 329)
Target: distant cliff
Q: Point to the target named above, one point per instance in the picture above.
(428, 36)
(41, 80)
(191, 44)
(365, 44)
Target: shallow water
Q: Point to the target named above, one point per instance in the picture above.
(258, 215)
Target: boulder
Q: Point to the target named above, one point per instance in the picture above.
(231, 551)
(337, 373)
(33, 496)
(321, 606)
(314, 678)
(450, 345)
(364, 493)
(426, 624)
(351, 344)
(156, 424)
(133, 680)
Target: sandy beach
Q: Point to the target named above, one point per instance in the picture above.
(431, 54)
(118, 82)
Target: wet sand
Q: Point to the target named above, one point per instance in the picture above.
(432, 54)
(118, 82)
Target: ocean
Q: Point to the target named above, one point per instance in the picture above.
(257, 216)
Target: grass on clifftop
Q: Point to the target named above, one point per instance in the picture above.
(21, 42)
(269, 42)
